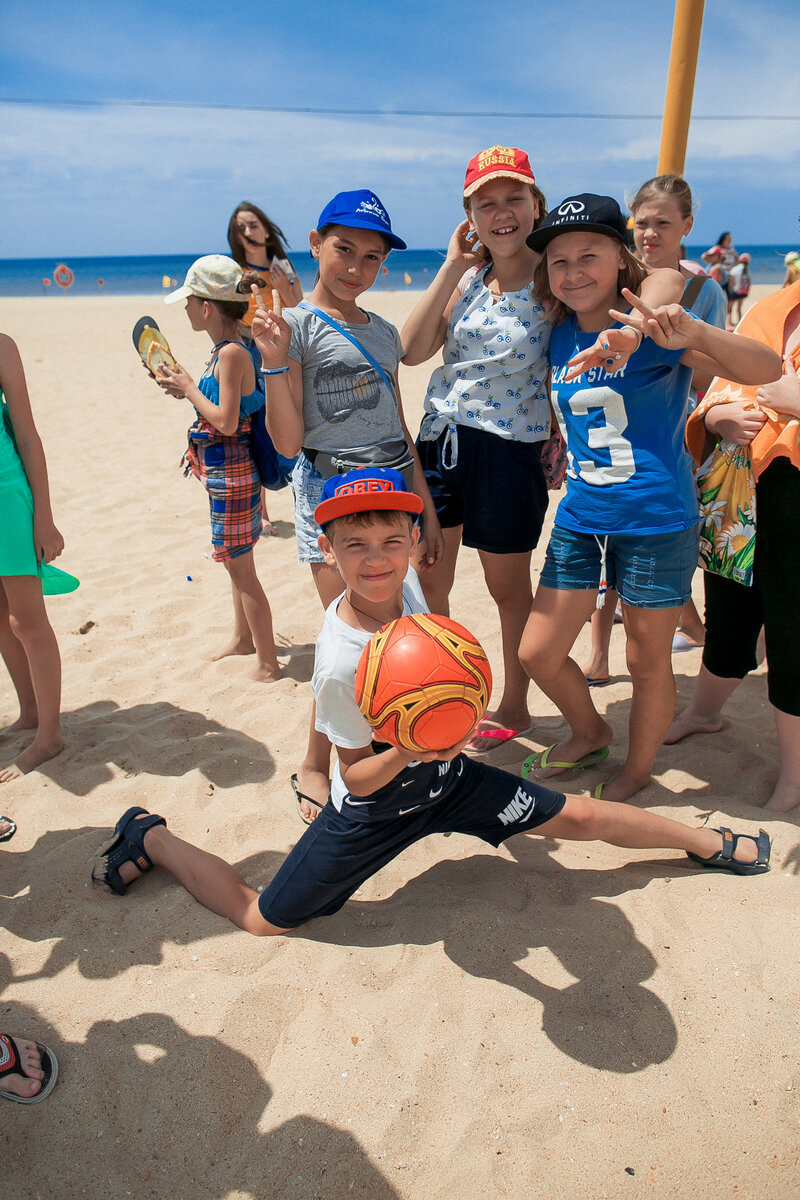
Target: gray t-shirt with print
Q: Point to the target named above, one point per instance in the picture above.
(346, 403)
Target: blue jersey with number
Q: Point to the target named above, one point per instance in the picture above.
(627, 469)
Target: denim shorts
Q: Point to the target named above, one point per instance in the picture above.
(307, 489)
(648, 571)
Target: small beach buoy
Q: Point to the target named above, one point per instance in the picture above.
(407, 277)
(385, 270)
(63, 276)
(165, 281)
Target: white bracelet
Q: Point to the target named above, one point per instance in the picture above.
(638, 333)
(274, 370)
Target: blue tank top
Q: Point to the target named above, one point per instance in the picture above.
(209, 386)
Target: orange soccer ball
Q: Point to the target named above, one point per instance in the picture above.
(423, 682)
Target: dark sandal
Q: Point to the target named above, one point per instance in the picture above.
(9, 833)
(299, 797)
(126, 845)
(10, 1064)
(723, 860)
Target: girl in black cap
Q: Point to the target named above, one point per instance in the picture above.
(630, 515)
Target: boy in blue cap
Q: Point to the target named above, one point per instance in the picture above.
(383, 800)
(333, 398)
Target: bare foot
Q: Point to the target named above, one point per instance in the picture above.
(518, 722)
(264, 673)
(785, 798)
(237, 646)
(23, 722)
(688, 723)
(39, 751)
(313, 784)
(574, 749)
(28, 1081)
(623, 786)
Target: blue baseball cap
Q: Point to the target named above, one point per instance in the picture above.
(367, 489)
(360, 210)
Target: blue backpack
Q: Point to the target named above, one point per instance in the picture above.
(274, 469)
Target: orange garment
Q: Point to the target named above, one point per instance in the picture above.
(284, 286)
(779, 437)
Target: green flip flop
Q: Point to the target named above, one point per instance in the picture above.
(543, 761)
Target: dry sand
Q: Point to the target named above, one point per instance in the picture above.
(542, 1021)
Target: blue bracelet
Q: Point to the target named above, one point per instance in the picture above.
(274, 370)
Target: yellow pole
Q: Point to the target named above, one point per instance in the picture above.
(680, 86)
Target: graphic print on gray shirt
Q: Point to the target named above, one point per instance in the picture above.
(346, 404)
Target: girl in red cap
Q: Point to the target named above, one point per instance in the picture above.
(487, 412)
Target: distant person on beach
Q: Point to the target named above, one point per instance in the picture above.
(662, 218)
(738, 288)
(258, 246)
(219, 452)
(333, 397)
(384, 800)
(487, 412)
(792, 262)
(767, 419)
(728, 255)
(29, 543)
(630, 515)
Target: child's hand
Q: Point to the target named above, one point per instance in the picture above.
(783, 395)
(431, 545)
(270, 332)
(47, 540)
(443, 755)
(669, 325)
(737, 422)
(612, 350)
(464, 247)
(175, 383)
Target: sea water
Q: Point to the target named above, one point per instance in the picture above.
(146, 275)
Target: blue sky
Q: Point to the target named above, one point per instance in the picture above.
(111, 179)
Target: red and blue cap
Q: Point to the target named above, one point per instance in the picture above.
(366, 489)
(360, 210)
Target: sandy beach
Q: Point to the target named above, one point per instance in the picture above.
(549, 1020)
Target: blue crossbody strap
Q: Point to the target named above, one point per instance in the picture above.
(323, 316)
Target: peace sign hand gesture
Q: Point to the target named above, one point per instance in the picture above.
(271, 333)
(669, 325)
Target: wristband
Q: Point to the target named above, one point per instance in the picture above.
(638, 333)
(274, 370)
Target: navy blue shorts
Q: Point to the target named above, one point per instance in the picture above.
(491, 485)
(337, 854)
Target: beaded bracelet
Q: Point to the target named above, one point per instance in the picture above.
(274, 370)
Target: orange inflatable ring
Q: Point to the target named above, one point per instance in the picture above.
(63, 276)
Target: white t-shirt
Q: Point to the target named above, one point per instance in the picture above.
(339, 648)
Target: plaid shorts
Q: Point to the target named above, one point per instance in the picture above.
(227, 470)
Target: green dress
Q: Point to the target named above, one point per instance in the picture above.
(17, 553)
